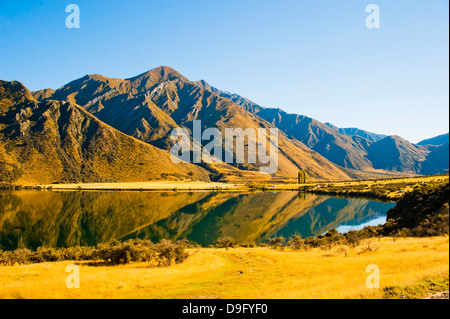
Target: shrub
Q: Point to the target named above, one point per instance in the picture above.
(130, 251)
(296, 242)
(114, 253)
(226, 242)
(276, 242)
(44, 254)
(18, 256)
(169, 252)
(352, 239)
(79, 253)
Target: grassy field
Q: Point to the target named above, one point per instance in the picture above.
(250, 273)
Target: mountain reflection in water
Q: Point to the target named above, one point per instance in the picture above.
(30, 219)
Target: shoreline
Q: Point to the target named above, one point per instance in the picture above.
(385, 190)
(143, 186)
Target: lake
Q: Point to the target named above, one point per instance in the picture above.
(30, 219)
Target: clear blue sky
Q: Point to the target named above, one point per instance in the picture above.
(315, 58)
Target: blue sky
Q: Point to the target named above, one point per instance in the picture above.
(315, 58)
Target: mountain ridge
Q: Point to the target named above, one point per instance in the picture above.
(348, 148)
(436, 141)
(353, 131)
(148, 106)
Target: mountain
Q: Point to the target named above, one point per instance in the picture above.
(360, 152)
(342, 150)
(372, 137)
(54, 141)
(436, 141)
(437, 161)
(348, 152)
(396, 154)
(150, 105)
(348, 148)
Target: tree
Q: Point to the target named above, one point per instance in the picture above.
(302, 177)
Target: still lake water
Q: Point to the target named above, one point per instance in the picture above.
(29, 219)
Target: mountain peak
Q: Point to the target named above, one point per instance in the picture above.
(206, 86)
(162, 73)
(43, 94)
(96, 77)
(396, 138)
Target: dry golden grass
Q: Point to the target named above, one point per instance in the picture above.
(242, 273)
(200, 185)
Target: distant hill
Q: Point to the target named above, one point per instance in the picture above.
(55, 142)
(436, 141)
